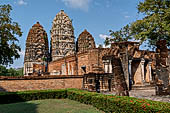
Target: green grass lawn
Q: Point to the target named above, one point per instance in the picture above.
(48, 106)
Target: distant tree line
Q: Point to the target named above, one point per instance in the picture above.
(10, 72)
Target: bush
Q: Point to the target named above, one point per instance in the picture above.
(106, 103)
(11, 97)
(118, 104)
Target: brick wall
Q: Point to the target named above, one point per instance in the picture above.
(58, 67)
(90, 59)
(40, 83)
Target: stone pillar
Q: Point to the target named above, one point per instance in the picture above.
(68, 69)
(63, 69)
(110, 67)
(130, 73)
(150, 71)
(106, 66)
(142, 70)
(25, 69)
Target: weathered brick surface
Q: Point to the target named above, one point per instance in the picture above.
(91, 60)
(36, 51)
(58, 67)
(40, 84)
(85, 41)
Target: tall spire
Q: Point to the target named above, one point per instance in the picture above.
(85, 41)
(62, 36)
(36, 48)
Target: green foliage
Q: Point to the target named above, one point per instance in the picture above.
(3, 70)
(118, 104)
(154, 26)
(100, 46)
(20, 72)
(10, 72)
(119, 36)
(12, 97)
(9, 31)
(106, 103)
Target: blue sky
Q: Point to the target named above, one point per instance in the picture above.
(97, 16)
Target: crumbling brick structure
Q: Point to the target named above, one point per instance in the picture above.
(107, 82)
(137, 66)
(121, 67)
(162, 68)
(37, 51)
(85, 41)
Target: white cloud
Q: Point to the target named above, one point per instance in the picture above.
(127, 16)
(102, 36)
(21, 2)
(81, 4)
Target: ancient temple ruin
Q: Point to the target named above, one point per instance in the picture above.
(85, 41)
(37, 51)
(62, 36)
(120, 68)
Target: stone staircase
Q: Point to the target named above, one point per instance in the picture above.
(144, 87)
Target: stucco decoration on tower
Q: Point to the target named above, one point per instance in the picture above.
(37, 50)
(62, 36)
(85, 41)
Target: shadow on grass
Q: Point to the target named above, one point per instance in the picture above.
(22, 107)
(8, 105)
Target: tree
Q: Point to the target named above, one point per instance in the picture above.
(155, 25)
(10, 72)
(3, 70)
(9, 31)
(100, 46)
(118, 36)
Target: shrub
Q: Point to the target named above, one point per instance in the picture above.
(11, 97)
(118, 104)
(106, 103)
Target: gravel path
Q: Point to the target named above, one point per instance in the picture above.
(147, 94)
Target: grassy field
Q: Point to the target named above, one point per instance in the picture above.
(48, 106)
